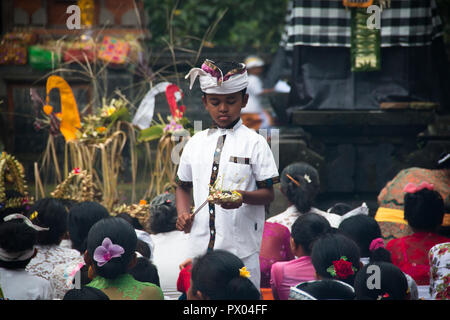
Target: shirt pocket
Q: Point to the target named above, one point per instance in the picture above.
(238, 170)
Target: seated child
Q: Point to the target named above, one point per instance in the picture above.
(17, 241)
(220, 275)
(285, 274)
(335, 256)
(389, 284)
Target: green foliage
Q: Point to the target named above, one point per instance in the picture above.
(245, 24)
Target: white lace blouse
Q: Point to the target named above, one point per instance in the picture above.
(45, 262)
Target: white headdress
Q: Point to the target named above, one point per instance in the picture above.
(213, 81)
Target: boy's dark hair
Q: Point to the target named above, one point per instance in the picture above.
(16, 236)
(85, 293)
(363, 230)
(393, 284)
(307, 228)
(303, 195)
(216, 275)
(145, 271)
(327, 289)
(82, 217)
(120, 233)
(52, 214)
(424, 210)
(332, 247)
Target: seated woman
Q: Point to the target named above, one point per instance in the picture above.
(300, 184)
(275, 246)
(285, 274)
(424, 211)
(391, 204)
(110, 254)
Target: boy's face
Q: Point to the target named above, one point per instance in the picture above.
(224, 109)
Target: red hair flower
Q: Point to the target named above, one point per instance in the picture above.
(341, 268)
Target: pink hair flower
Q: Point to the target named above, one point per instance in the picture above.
(413, 188)
(376, 243)
(107, 251)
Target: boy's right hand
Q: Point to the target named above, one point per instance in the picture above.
(184, 222)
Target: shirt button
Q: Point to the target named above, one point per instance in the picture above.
(214, 168)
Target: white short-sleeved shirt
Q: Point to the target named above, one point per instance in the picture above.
(243, 162)
(21, 285)
(254, 89)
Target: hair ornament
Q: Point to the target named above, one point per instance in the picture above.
(24, 219)
(341, 268)
(376, 243)
(307, 178)
(413, 188)
(33, 215)
(243, 272)
(383, 296)
(293, 180)
(107, 251)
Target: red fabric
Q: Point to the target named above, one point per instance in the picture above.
(184, 279)
(410, 254)
(274, 247)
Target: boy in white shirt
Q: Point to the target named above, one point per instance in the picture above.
(231, 157)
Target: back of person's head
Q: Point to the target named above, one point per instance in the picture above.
(120, 233)
(145, 271)
(335, 256)
(300, 184)
(381, 281)
(82, 217)
(85, 293)
(131, 220)
(163, 213)
(307, 228)
(340, 208)
(424, 209)
(326, 289)
(17, 242)
(363, 230)
(143, 248)
(217, 276)
(49, 213)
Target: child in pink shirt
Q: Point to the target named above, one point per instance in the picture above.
(305, 230)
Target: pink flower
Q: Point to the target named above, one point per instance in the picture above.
(107, 251)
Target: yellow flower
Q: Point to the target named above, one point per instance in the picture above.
(48, 109)
(243, 272)
(177, 12)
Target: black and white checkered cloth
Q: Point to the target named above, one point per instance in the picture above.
(327, 23)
